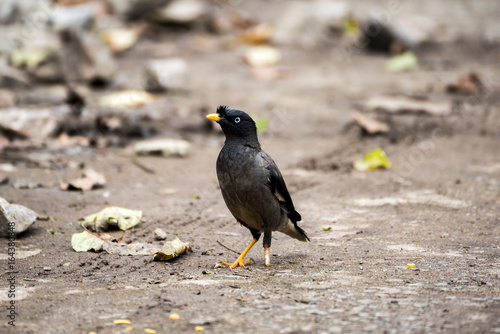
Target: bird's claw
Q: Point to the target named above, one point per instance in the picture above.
(239, 262)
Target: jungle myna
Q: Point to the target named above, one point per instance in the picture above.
(252, 185)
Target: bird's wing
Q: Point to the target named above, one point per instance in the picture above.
(278, 187)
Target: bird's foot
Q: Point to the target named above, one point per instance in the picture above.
(267, 258)
(239, 262)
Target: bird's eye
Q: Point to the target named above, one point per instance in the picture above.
(237, 120)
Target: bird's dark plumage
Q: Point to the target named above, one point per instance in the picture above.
(251, 183)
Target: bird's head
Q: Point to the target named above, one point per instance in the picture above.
(235, 123)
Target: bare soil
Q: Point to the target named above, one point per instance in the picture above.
(437, 208)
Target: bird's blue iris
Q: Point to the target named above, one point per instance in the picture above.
(237, 120)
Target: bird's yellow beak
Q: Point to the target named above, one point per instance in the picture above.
(214, 117)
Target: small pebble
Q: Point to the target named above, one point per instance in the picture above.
(47, 268)
(160, 234)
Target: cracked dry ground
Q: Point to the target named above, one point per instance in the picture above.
(441, 216)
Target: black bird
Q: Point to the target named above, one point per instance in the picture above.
(252, 185)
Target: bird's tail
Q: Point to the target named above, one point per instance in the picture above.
(293, 230)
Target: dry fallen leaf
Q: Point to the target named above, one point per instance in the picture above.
(85, 241)
(470, 84)
(119, 39)
(89, 180)
(29, 58)
(370, 125)
(258, 34)
(125, 99)
(65, 141)
(399, 104)
(172, 249)
(165, 147)
(121, 217)
(259, 56)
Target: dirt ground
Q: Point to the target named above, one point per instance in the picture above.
(437, 208)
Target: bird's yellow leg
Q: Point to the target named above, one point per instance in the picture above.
(240, 261)
(266, 255)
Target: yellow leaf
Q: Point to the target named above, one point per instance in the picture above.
(375, 159)
(351, 26)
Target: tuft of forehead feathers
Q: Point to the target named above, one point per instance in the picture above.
(225, 111)
(222, 110)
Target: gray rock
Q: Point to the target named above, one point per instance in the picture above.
(29, 123)
(8, 11)
(160, 234)
(135, 9)
(55, 94)
(308, 23)
(17, 215)
(7, 98)
(84, 57)
(74, 17)
(409, 32)
(11, 77)
(181, 12)
(165, 74)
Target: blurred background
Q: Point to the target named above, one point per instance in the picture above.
(103, 72)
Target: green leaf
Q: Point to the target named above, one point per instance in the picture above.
(351, 26)
(403, 62)
(262, 124)
(376, 159)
